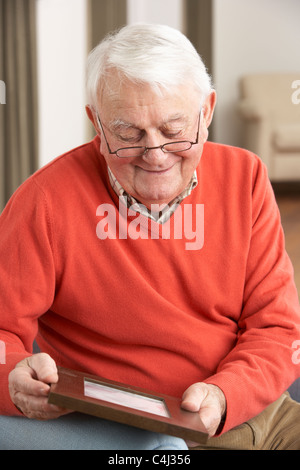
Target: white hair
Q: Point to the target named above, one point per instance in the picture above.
(157, 55)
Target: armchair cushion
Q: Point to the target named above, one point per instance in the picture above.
(287, 137)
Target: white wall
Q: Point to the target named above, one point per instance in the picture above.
(257, 36)
(61, 38)
(169, 12)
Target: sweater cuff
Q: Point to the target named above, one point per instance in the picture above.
(235, 392)
(7, 407)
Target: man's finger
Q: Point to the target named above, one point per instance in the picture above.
(21, 380)
(43, 367)
(193, 398)
(210, 420)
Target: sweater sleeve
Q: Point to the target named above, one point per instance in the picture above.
(27, 279)
(261, 367)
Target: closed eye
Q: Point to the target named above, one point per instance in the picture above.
(130, 139)
(174, 130)
(173, 135)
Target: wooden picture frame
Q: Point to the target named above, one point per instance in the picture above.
(125, 404)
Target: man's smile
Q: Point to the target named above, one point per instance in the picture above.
(156, 171)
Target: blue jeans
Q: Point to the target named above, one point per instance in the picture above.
(80, 432)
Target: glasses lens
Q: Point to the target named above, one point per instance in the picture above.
(172, 147)
(177, 146)
(131, 152)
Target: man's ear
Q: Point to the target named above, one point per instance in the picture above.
(209, 107)
(92, 117)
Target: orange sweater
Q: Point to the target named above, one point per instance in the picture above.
(112, 295)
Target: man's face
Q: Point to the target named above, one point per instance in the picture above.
(134, 115)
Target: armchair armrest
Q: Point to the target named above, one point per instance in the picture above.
(250, 110)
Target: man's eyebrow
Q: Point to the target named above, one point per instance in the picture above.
(117, 123)
(176, 117)
(180, 118)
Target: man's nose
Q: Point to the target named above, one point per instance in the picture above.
(154, 155)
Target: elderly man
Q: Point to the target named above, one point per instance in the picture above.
(151, 257)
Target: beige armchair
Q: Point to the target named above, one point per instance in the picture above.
(270, 112)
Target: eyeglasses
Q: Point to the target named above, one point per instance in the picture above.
(169, 147)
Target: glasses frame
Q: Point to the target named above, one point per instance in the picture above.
(146, 149)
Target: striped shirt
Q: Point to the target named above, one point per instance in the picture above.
(164, 211)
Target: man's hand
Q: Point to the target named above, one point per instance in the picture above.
(29, 387)
(209, 401)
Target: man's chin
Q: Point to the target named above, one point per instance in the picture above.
(153, 201)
